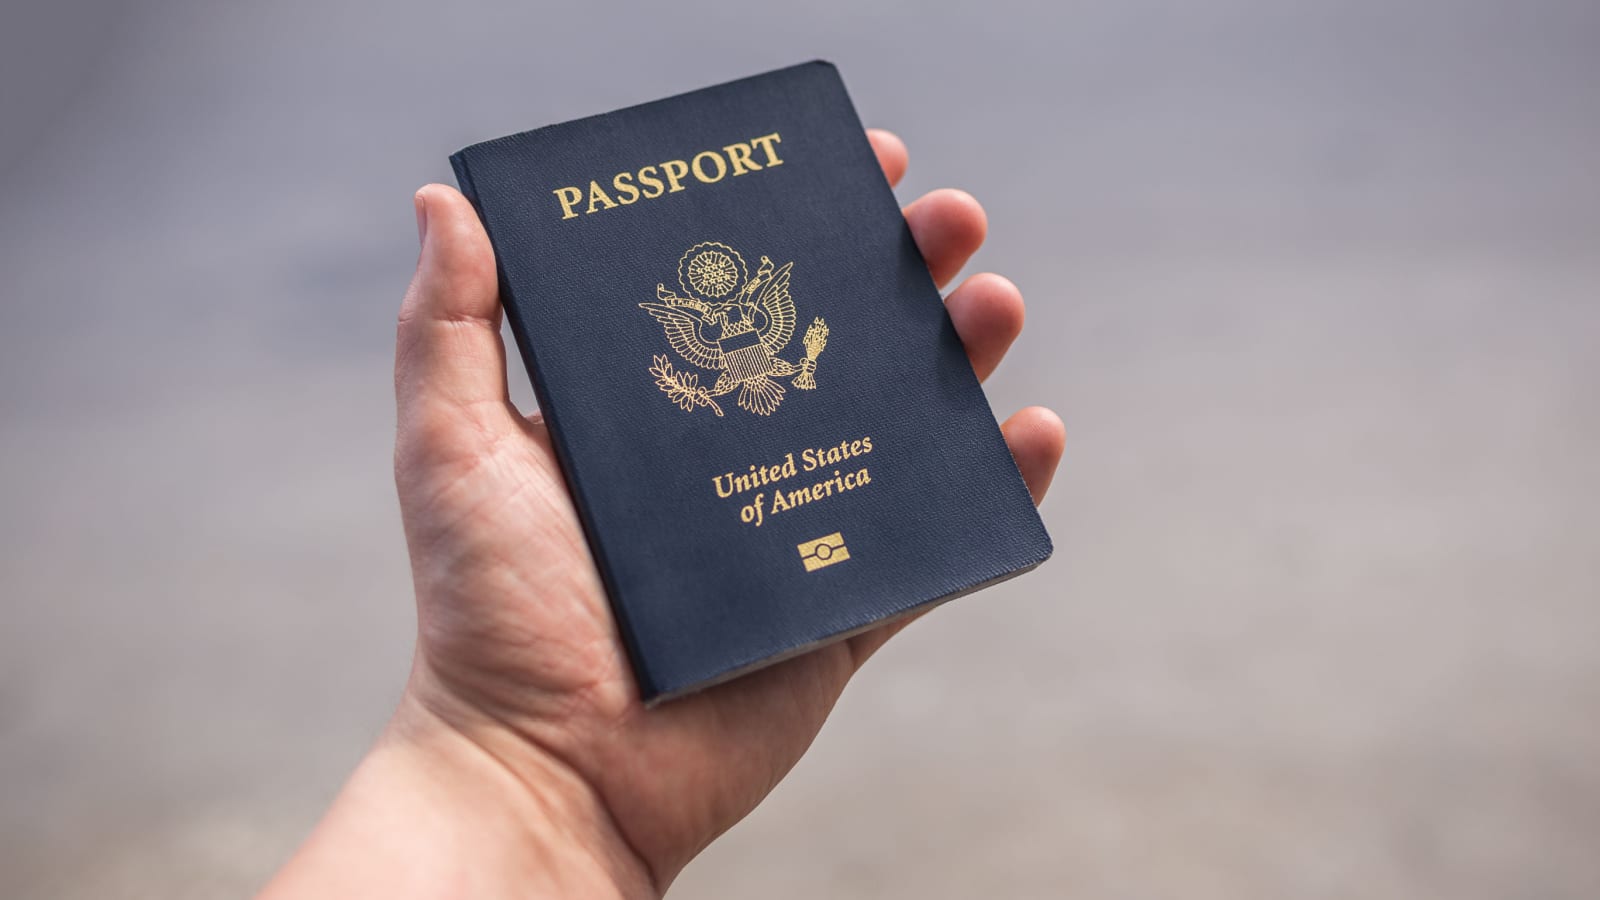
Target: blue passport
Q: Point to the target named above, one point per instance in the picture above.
(765, 417)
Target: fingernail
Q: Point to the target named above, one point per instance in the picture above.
(422, 218)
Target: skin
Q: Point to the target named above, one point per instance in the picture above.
(520, 761)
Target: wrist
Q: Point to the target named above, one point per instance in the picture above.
(449, 804)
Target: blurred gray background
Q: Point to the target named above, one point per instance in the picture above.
(1316, 287)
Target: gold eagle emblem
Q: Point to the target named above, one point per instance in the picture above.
(734, 324)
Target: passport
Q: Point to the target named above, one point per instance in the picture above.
(764, 415)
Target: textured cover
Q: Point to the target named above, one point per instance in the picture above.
(712, 292)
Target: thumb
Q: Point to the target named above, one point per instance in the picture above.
(448, 352)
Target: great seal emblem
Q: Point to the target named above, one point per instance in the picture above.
(733, 323)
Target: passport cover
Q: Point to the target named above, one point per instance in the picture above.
(766, 419)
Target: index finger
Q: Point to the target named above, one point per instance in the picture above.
(891, 153)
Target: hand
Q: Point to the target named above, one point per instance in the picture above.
(520, 756)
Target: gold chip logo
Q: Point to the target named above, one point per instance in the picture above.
(824, 551)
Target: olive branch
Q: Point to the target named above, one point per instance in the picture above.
(682, 388)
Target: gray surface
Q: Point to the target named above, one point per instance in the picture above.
(1315, 287)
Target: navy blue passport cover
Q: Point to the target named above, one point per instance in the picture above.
(765, 417)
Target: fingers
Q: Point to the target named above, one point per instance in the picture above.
(448, 348)
(949, 226)
(987, 312)
(891, 153)
(1036, 438)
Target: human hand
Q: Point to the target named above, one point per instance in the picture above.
(521, 757)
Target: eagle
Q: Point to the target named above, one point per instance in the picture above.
(739, 338)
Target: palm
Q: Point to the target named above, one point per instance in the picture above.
(513, 620)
